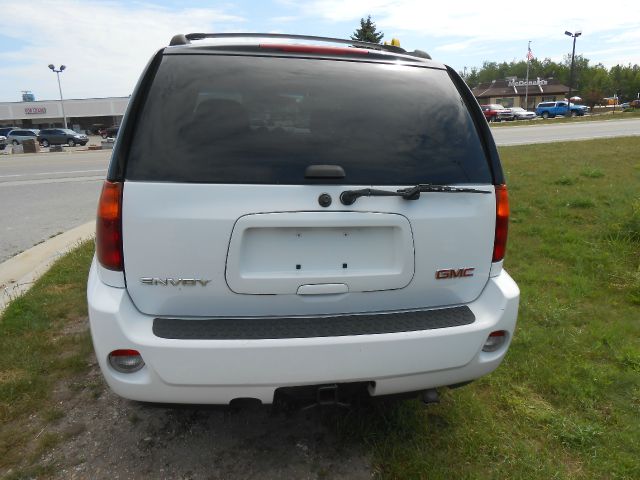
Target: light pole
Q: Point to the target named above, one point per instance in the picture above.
(573, 54)
(60, 70)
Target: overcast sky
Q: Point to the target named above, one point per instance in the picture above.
(106, 44)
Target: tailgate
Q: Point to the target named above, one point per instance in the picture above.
(245, 262)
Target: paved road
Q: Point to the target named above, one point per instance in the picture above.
(47, 193)
(44, 194)
(521, 135)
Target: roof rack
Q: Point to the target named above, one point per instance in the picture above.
(182, 39)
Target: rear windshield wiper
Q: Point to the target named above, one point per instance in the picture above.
(348, 197)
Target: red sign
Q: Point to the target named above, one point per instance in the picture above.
(35, 110)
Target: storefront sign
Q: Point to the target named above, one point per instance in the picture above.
(35, 110)
(522, 83)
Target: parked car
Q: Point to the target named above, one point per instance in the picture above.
(17, 136)
(520, 113)
(554, 109)
(634, 103)
(3, 142)
(343, 251)
(4, 131)
(109, 132)
(61, 136)
(496, 113)
(96, 128)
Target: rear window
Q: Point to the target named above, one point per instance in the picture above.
(241, 119)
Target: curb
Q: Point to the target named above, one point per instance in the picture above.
(20, 272)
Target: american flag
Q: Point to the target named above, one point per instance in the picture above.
(529, 54)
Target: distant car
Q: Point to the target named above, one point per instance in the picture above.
(4, 131)
(61, 136)
(520, 113)
(96, 128)
(16, 137)
(634, 103)
(625, 105)
(496, 113)
(110, 132)
(3, 142)
(555, 109)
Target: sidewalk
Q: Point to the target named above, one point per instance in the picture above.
(20, 272)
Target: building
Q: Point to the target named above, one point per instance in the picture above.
(511, 92)
(87, 114)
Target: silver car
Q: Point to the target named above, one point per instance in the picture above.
(520, 113)
(17, 136)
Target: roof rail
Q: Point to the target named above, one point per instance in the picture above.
(182, 39)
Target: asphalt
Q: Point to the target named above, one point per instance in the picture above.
(565, 132)
(43, 195)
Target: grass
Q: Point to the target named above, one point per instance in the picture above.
(565, 404)
(38, 350)
(618, 115)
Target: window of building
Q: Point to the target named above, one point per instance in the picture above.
(506, 102)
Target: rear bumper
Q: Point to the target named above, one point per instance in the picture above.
(218, 371)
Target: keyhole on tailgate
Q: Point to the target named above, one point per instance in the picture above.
(298, 266)
(324, 200)
(344, 265)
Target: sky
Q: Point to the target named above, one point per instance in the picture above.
(106, 44)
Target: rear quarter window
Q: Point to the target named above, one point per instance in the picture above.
(244, 119)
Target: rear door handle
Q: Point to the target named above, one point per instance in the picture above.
(323, 289)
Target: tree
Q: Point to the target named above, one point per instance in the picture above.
(367, 32)
(597, 86)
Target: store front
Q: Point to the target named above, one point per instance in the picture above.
(83, 115)
(515, 92)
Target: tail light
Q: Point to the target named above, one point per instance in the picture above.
(109, 227)
(502, 223)
(126, 361)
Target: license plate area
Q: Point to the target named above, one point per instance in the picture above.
(276, 253)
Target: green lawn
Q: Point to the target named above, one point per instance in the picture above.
(43, 341)
(564, 404)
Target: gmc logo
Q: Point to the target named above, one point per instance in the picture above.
(454, 273)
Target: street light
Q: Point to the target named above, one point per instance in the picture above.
(61, 69)
(573, 54)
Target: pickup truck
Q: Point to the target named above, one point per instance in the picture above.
(554, 109)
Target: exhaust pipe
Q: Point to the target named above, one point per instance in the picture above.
(430, 396)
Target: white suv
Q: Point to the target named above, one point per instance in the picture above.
(282, 216)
